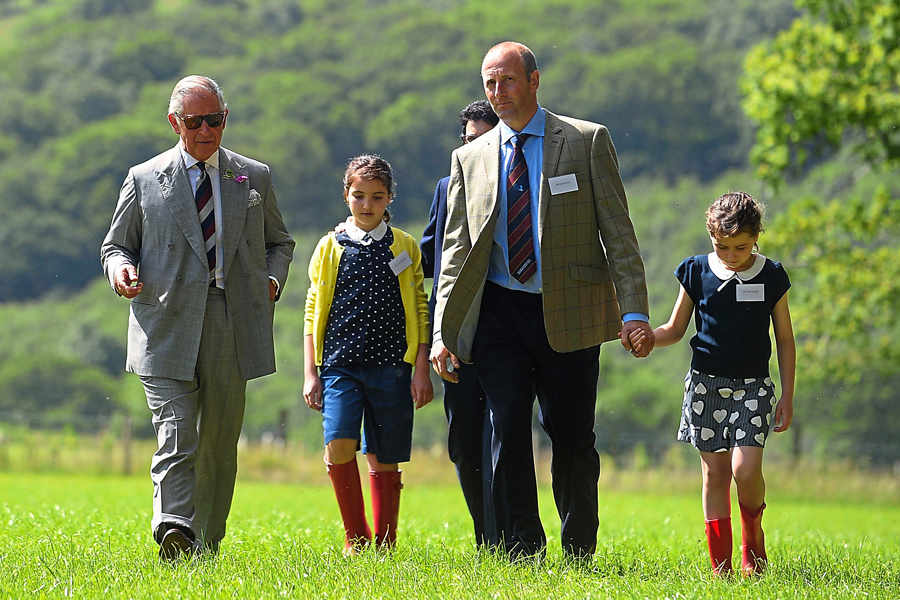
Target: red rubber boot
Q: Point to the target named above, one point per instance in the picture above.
(386, 488)
(753, 548)
(718, 538)
(348, 490)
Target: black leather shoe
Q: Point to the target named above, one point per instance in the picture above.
(175, 544)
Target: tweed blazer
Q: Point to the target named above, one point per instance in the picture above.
(591, 265)
(155, 227)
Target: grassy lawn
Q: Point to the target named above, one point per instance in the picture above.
(88, 536)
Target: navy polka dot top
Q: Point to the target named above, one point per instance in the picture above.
(366, 323)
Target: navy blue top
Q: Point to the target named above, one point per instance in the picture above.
(366, 323)
(732, 337)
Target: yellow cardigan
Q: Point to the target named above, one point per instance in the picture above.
(323, 269)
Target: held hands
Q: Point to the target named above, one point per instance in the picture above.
(126, 281)
(638, 338)
(444, 363)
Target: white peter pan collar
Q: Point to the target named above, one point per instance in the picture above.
(357, 235)
(725, 274)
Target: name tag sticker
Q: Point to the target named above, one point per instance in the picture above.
(751, 292)
(563, 184)
(400, 263)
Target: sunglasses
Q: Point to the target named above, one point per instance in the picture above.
(195, 121)
(465, 139)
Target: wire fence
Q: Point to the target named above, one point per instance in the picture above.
(123, 443)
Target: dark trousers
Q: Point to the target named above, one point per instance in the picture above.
(515, 363)
(469, 446)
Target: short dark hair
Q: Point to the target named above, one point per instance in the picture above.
(528, 60)
(480, 110)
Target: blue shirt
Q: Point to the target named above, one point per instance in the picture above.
(498, 270)
(732, 337)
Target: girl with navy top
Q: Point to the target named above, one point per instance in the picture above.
(729, 400)
(366, 327)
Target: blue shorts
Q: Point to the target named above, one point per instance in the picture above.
(378, 398)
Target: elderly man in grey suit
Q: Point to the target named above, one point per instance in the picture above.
(198, 245)
(540, 266)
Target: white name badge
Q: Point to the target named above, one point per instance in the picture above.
(563, 184)
(400, 263)
(751, 292)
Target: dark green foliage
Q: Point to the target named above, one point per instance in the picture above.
(311, 84)
(83, 97)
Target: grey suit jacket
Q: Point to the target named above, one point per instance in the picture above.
(590, 261)
(156, 228)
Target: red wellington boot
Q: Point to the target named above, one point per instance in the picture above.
(753, 548)
(386, 488)
(348, 490)
(718, 538)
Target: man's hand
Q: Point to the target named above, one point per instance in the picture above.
(637, 337)
(126, 281)
(440, 357)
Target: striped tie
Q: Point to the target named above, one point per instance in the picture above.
(203, 197)
(522, 262)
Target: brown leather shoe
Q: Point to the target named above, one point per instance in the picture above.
(175, 544)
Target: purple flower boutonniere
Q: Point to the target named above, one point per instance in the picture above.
(229, 174)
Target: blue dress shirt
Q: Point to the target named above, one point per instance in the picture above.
(498, 270)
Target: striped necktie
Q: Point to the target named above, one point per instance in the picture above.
(522, 262)
(203, 198)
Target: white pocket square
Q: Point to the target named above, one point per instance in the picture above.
(254, 200)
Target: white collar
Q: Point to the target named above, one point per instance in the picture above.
(190, 161)
(725, 274)
(356, 234)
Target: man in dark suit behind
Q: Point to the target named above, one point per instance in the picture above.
(468, 422)
(198, 245)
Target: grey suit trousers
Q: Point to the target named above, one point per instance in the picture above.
(197, 425)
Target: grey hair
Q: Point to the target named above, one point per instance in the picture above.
(187, 85)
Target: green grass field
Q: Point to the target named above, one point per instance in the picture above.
(86, 536)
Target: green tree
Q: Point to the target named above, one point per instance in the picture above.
(833, 80)
(834, 76)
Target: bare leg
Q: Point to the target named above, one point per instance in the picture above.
(751, 486)
(717, 509)
(746, 464)
(716, 468)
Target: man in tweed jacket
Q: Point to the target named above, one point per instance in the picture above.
(537, 332)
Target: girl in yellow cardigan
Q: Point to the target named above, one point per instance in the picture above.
(366, 327)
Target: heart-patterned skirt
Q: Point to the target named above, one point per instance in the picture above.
(720, 413)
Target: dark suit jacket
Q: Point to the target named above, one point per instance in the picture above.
(433, 238)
